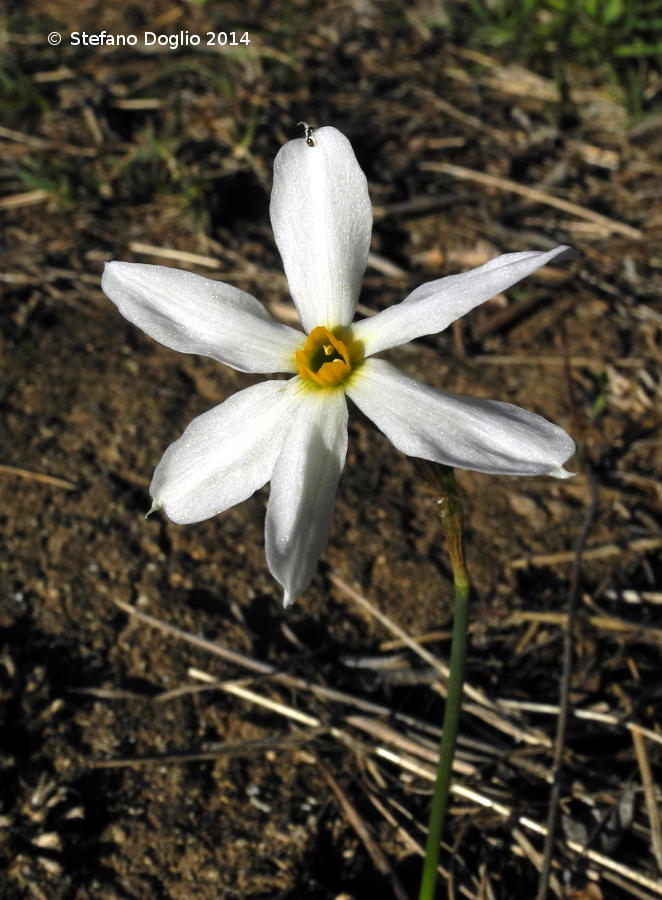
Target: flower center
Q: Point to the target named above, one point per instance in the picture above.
(329, 357)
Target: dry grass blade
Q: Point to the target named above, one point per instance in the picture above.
(378, 730)
(509, 814)
(178, 256)
(395, 629)
(409, 841)
(473, 122)
(231, 687)
(264, 669)
(548, 359)
(550, 709)
(379, 859)
(652, 802)
(639, 545)
(37, 476)
(564, 702)
(293, 740)
(482, 707)
(535, 195)
(25, 198)
(406, 752)
(485, 890)
(629, 889)
(384, 733)
(29, 143)
(536, 859)
(606, 623)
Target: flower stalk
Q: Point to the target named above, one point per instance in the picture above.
(442, 480)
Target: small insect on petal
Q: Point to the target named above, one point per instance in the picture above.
(307, 133)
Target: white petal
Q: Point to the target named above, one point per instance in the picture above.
(322, 221)
(303, 489)
(433, 306)
(198, 315)
(225, 454)
(466, 432)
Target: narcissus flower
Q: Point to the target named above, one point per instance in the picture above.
(293, 432)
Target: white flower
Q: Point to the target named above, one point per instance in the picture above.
(293, 432)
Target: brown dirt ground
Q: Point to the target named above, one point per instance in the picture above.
(105, 149)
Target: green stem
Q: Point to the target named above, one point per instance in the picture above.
(450, 511)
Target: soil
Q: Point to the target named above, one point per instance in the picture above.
(124, 774)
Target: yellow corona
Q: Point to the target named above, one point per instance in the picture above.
(329, 356)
